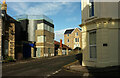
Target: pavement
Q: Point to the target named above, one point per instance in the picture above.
(75, 67)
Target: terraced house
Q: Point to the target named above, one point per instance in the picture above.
(100, 33)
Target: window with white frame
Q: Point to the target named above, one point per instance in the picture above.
(40, 26)
(76, 34)
(92, 44)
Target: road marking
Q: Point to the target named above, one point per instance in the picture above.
(54, 73)
(86, 74)
(48, 75)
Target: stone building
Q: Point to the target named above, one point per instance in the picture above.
(13, 37)
(72, 38)
(7, 33)
(39, 29)
(100, 33)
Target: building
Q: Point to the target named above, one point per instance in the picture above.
(7, 33)
(72, 38)
(61, 49)
(13, 42)
(100, 33)
(0, 33)
(39, 29)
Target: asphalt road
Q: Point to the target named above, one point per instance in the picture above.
(39, 68)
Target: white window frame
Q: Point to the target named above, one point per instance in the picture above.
(93, 59)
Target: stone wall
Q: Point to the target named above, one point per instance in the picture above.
(0, 38)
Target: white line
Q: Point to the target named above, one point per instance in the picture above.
(86, 74)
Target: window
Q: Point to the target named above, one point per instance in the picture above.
(41, 38)
(76, 33)
(48, 50)
(91, 8)
(45, 27)
(68, 40)
(78, 39)
(67, 34)
(75, 39)
(40, 26)
(92, 44)
(48, 28)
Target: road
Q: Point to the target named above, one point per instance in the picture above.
(39, 68)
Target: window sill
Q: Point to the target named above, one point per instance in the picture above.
(93, 59)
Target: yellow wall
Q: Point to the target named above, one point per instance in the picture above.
(72, 37)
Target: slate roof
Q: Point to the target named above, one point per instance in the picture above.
(69, 31)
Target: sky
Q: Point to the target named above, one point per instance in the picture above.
(65, 15)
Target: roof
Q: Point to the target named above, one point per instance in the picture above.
(34, 17)
(69, 31)
(63, 45)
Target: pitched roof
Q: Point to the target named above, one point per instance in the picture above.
(63, 45)
(69, 31)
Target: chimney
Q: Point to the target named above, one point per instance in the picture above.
(60, 43)
(4, 6)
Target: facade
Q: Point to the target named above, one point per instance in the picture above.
(7, 33)
(72, 38)
(14, 43)
(100, 33)
(39, 29)
(0, 34)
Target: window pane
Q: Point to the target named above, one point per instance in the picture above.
(92, 51)
(92, 38)
(92, 41)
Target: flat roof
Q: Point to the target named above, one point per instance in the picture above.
(34, 17)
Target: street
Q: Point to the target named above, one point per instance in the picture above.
(40, 68)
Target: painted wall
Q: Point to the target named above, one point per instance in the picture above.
(105, 34)
(102, 10)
